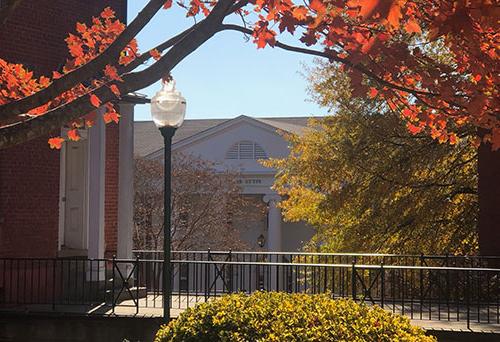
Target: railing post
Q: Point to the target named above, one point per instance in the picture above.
(113, 301)
(382, 280)
(207, 270)
(353, 279)
(421, 285)
(230, 283)
(137, 283)
(467, 296)
(53, 284)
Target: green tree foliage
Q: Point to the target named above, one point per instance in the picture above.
(368, 185)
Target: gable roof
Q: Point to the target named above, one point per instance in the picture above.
(147, 138)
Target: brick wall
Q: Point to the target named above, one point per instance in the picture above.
(29, 173)
(111, 184)
(29, 188)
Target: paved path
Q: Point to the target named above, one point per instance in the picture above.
(151, 306)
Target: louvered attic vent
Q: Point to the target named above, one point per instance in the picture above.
(246, 149)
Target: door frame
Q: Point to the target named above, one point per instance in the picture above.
(62, 191)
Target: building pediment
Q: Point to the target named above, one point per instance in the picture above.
(237, 143)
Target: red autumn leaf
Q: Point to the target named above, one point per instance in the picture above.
(317, 6)
(76, 50)
(111, 116)
(81, 28)
(300, 13)
(394, 15)
(408, 113)
(96, 102)
(39, 110)
(453, 139)
(112, 73)
(108, 13)
(44, 81)
(155, 54)
(115, 90)
(365, 7)
(263, 36)
(167, 4)
(412, 26)
(56, 75)
(372, 93)
(413, 129)
(73, 135)
(56, 143)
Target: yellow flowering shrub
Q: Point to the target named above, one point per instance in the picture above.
(273, 316)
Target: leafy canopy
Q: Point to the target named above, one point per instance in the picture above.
(381, 44)
(367, 184)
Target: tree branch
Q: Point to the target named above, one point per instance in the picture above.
(335, 58)
(55, 118)
(84, 72)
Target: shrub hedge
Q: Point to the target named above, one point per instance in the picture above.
(272, 316)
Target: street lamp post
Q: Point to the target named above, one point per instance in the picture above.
(168, 109)
(261, 240)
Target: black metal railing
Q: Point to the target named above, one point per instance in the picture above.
(107, 286)
(330, 258)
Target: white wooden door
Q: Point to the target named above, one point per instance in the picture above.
(75, 228)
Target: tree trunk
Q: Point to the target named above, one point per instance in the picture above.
(489, 200)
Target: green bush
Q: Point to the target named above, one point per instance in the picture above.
(272, 316)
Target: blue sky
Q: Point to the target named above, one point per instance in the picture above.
(227, 76)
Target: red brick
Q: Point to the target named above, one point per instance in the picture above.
(29, 173)
(111, 184)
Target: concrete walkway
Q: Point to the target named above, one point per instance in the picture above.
(151, 306)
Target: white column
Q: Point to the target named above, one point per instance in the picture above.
(126, 182)
(96, 189)
(274, 235)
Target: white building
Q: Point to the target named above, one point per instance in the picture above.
(238, 144)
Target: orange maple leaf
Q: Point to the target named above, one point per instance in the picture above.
(300, 13)
(412, 26)
(111, 114)
(108, 13)
(167, 4)
(56, 143)
(96, 102)
(155, 54)
(372, 93)
(394, 15)
(112, 73)
(73, 135)
(453, 138)
(413, 129)
(115, 90)
(365, 7)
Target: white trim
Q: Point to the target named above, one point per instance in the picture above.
(125, 183)
(62, 189)
(222, 127)
(96, 179)
(62, 194)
